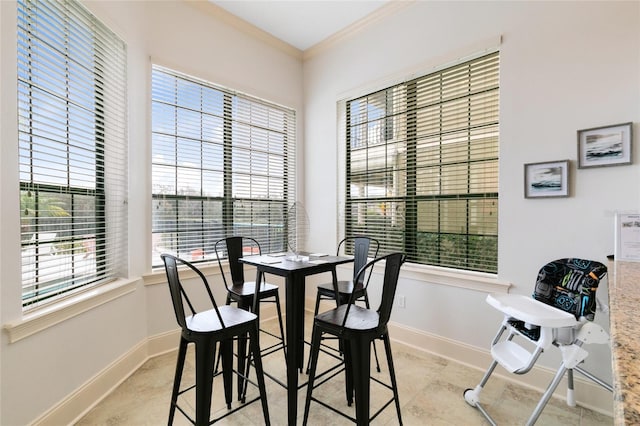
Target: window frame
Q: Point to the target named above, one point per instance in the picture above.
(99, 233)
(343, 141)
(271, 240)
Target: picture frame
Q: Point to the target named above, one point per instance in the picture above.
(548, 179)
(605, 146)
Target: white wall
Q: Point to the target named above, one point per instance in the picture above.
(564, 66)
(40, 371)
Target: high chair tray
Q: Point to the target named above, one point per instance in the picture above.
(531, 311)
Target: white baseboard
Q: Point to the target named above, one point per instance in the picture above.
(83, 399)
(77, 404)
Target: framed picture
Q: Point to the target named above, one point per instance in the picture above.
(605, 146)
(545, 180)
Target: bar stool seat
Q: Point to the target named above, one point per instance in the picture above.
(345, 288)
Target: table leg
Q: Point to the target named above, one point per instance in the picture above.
(294, 288)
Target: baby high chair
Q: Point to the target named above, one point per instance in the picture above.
(560, 314)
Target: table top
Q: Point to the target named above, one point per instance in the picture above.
(283, 264)
(624, 299)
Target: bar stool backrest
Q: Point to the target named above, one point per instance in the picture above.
(234, 248)
(362, 246)
(179, 296)
(393, 262)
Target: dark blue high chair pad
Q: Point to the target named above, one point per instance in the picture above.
(570, 284)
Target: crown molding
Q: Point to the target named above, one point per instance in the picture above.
(377, 15)
(240, 24)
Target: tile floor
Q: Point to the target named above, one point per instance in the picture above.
(430, 390)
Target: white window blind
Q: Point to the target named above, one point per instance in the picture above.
(422, 166)
(72, 149)
(223, 164)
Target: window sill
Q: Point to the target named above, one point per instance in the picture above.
(42, 318)
(469, 280)
(158, 275)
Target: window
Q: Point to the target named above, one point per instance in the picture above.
(72, 149)
(223, 164)
(422, 166)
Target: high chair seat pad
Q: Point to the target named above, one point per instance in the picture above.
(531, 311)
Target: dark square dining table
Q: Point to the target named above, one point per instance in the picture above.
(294, 273)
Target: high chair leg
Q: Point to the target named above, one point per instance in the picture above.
(472, 396)
(571, 398)
(593, 378)
(547, 395)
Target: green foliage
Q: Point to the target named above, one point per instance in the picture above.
(48, 205)
(470, 252)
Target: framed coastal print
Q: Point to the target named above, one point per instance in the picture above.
(605, 146)
(545, 180)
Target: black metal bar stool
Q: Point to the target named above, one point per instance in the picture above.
(363, 248)
(206, 329)
(243, 292)
(357, 327)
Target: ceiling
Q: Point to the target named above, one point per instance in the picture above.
(301, 23)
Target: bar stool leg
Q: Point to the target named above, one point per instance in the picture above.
(284, 345)
(373, 342)
(182, 352)
(255, 349)
(215, 370)
(348, 370)
(315, 313)
(392, 374)
(242, 351)
(204, 381)
(361, 351)
(315, 351)
(226, 352)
